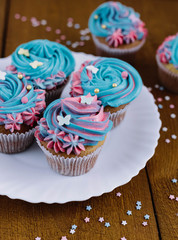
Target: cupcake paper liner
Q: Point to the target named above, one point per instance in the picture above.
(73, 166)
(16, 142)
(118, 116)
(126, 54)
(168, 78)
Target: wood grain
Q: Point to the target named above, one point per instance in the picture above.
(20, 220)
(3, 21)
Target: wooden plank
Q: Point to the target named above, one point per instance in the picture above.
(3, 18)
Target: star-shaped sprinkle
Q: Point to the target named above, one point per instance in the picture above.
(171, 106)
(173, 115)
(107, 224)
(173, 136)
(92, 68)
(74, 226)
(161, 88)
(156, 86)
(174, 180)
(167, 98)
(37, 238)
(146, 217)
(2, 75)
(171, 197)
(164, 129)
(101, 219)
(138, 203)
(87, 219)
(64, 238)
(72, 231)
(129, 212)
(177, 199)
(35, 64)
(138, 207)
(124, 222)
(159, 99)
(118, 194)
(88, 208)
(160, 106)
(149, 89)
(123, 238)
(24, 52)
(167, 140)
(144, 224)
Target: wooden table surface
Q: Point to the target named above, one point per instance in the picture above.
(20, 220)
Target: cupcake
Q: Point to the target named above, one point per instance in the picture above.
(45, 64)
(115, 82)
(117, 30)
(167, 61)
(72, 133)
(20, 108)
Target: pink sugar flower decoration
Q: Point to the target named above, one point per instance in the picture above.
(53, 140)
(115, 39)
(76, 88)
(13, 122)
(72, 143)
(30, 116)
(130, 37)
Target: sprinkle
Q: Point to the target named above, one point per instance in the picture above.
(81, 44)
(103, 26)
(174, 180)
(164, 129)
(160, 106)
(17, 16)
(123, 238)
(167, 98)
(48, 29)
(64, 238)
(24, 100)
(167, 140)
(171, 106)
(20, 76)
(144, 224)
(35, 64)
(82, 38)
(107, 224)
(57, 31)
(173, 136)
(69, 24)
(33, 19)
(29, 87)
(24, 52)
(159, 99)
(96, 16)
(138, 203)
(77, 26)
(114, 85)
(70, 19)
(88, 208)
(87, 38)
(75, 44)
(87, 219)
(2, 75)
(118, 194)
(124, 74)
(171, 197)
(96, 90)
(156, 86)
(129, 213)
(58, 40)
(149, 89)
(138, 207)
(37, 238)
(74, 226)
(173, 115)
(124, 222)
(146, 217)
(23, 19)
(68, 42)
(72, 231)
(161, 88)
(63, 37)
(35, 24)
(92, 68)
(43, 22)
(101, 219)
(177, 199)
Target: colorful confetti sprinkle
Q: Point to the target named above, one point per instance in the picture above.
(124, 222)
(171, 106)
(17, 16)
(146, 217)
(161, 88)
(159, 99)
(129, 213)
(57, 31)
(101, 219)
(160, 106)
(48, 29)
(107, 224)
(63, 37)
(118, 194)
(171, 197)
(87, 219)
(144, 224)
(68, 42)
(43, 22)
(72, 231)
(74, 226)
(156, 86)
(23, 18)
(174, 180)
(77, 26)
(88, 208)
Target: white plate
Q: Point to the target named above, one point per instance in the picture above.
(128, 147)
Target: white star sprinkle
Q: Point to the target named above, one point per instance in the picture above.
(2, 75)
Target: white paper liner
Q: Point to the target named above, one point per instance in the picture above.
(168, 78)
(116, 52)
(16, 142)
(73, 166)
(117, 117)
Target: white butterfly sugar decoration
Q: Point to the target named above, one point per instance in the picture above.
(64, 120)
(2, 75)
(92, 68)
(24, 52)
(35, 64)
(86, 100)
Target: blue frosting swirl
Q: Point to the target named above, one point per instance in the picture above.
(114, 15)
(55, 58)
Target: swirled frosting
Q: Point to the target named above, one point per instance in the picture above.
(46, 64)
(117, 23)
(72, 123)
(17, 104)
(168, 51)
(114, 81)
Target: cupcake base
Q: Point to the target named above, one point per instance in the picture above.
(71, 166)
(16, 142)
(168, 78)
(127, 54)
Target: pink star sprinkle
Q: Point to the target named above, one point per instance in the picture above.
(123, 238)
(58, 40)
(171, 106)
(58, 31)
(167, 140)
(37, 238)
(144, 224)
(101, 219)
(171, 197)
(70, 19)
(64, 238)
(118, 194)
(63, 37)
(48, 29)
(23, 19)
(159, 99)
(177, 199)
(17, 16)
(87, 219)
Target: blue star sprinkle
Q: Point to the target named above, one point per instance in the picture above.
(138, 203)
(174, 180)
(74, 226)
(107, 224)
(160, 106)
(88, 208)
(138, 207)
(129, 212)
(146, 217)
